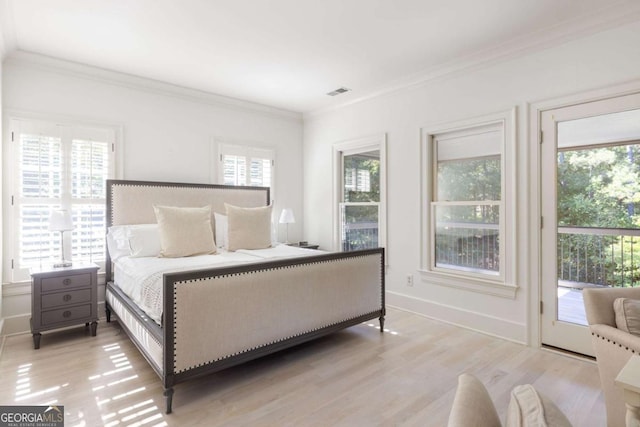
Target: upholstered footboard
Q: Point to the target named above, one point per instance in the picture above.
(218, 318)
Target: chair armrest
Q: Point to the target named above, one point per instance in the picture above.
(617, 336)
(598, 303)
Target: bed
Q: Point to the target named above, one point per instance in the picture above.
(219, 312)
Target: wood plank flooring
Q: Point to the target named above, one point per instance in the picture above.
(358, 377)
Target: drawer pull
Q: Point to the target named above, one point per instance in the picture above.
(66, 314)
(66, 298)
(66, 282)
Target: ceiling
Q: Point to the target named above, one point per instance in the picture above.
(290, 53)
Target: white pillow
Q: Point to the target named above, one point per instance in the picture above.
(248, 228)
(185, 231)
(222, 230)
(117, 242)
(144, 240)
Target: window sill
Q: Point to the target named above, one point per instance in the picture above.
(488, 287)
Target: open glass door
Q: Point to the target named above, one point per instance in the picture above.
(591, 211)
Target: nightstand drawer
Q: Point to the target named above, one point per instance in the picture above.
(65, 298)
(66, 314)
(66, 282)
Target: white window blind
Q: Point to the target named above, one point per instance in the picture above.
(59, 167)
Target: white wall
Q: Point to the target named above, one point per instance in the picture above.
(595, 61)
(167, 131)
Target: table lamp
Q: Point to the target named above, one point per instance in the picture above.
(60, 220)
(286, 217)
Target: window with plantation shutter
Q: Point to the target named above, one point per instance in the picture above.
(59, 167)
(240, 165)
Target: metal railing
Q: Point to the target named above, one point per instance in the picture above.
(360, 235)
(468, 246)
(599, 256)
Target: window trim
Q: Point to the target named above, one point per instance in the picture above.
(354, 146)
(11, 180)
(504, 284)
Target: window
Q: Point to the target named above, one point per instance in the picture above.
(361, 197)
(241, 165)
(468, 204)
(59, 167)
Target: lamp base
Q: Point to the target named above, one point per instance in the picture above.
(62, 264)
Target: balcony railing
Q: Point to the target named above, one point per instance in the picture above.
(598, 256)
(468, 246)
(360, 235)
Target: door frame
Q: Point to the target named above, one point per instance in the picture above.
(533, 268)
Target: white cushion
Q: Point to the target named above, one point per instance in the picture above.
(185, 231)
(529, 408)
(627, 313)
(248, 228)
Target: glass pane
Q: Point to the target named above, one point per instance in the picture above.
(359, 227)
(235, 170)
(88, 235)
(89, 169)
(40, 166)
(467, 238)
(599, 187)
(471, 179)
(261, 172)
(37, 244)
(598, 207)
(362, 177)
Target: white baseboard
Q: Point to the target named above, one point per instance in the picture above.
(479, 322)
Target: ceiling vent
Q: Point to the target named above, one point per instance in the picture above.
(338, 91)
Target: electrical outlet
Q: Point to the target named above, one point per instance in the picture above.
(409, 279)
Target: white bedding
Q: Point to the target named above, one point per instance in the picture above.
(141, 278)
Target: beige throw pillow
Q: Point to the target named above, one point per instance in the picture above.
(185, 231)
(627, 312)
(529, 408)
(248, 228)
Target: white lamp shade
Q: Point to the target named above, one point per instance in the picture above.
(60, 220)
(286, 217)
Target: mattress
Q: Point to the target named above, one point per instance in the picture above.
(141, 278)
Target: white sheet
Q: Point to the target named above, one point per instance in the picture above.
(141, 278)
(279, 251)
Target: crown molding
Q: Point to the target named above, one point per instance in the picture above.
(624, 12)
(75, 69)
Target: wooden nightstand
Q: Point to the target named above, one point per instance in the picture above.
(63, 297)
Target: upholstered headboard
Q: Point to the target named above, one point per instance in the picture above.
(131, 202)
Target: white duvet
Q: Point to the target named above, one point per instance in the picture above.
(141, 278)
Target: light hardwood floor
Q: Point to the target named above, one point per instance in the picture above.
(358, 377)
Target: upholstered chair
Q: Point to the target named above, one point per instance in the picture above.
(613, 346)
